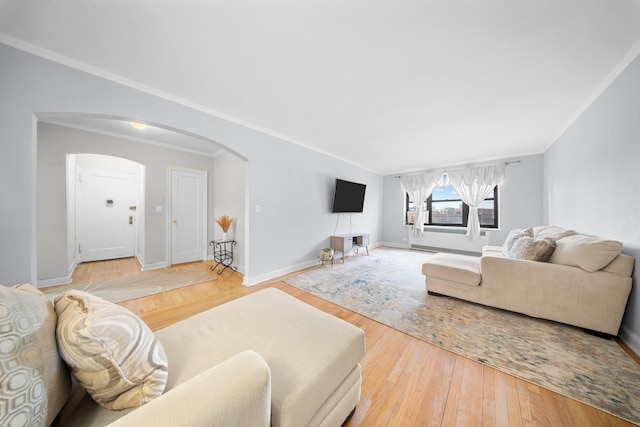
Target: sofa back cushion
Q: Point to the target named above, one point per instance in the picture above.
(35, 382)
(589, 253)
(552, 231)
(110, 351)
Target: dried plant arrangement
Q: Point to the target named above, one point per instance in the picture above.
(224, 222)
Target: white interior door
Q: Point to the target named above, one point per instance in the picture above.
(106, 215)
(188, 215)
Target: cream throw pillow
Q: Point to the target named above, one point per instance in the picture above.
(110, 351)
(513, 236)
(588, 253)
(34, 381)
(532, 249)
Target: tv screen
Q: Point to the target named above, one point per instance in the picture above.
(348, 196)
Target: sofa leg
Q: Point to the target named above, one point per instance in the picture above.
(599, 334)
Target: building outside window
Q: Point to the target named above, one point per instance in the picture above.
(444, 207)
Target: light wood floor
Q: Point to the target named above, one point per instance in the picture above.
(406, 382)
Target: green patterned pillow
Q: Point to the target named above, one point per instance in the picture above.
(110, 351)
(34, 381)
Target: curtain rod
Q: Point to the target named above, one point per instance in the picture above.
(506, 163)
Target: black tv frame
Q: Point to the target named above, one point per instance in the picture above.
(348, 197)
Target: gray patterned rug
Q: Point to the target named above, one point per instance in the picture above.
(141, 285)
(388, 286)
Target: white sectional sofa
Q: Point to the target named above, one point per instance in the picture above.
(585, 282)
(263, 359)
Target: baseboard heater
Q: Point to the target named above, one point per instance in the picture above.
(450, 230)
(448, 250)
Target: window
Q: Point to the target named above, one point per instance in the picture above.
(444, 207)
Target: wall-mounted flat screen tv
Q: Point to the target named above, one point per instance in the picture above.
(348, 196)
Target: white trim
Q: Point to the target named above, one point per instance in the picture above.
(626, 60)
(630, 338)
(394, 245)
(252, 281)
(90, 69)
(58, 280)
(129, 137)
(154, 266)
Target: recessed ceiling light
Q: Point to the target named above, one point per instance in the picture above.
(138, 125)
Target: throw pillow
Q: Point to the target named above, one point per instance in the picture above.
(110, 351)
(35, 382)
(513, 236)
(588, 253)
(532, 249)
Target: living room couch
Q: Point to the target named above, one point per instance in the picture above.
(584, 281)
(263, 359)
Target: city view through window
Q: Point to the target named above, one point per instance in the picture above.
(448, 209)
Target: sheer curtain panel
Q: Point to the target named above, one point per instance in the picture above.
(419, 188)
(474, 185)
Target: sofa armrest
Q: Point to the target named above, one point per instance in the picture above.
(236, 392)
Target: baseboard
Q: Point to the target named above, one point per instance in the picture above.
(58, 280)
(252, 281)
(630, 339)
(395, 245)
(155, 266)
(256, 280)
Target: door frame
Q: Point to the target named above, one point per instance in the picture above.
(169, 213)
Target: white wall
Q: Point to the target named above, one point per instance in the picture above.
(229, 191)
(592, 178)
(54, 143)
(520, 206)
(292, 184)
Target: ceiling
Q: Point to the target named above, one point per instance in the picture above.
(390, 85)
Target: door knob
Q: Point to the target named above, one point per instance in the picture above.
(175, 221)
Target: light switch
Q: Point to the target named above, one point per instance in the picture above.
(258, 208)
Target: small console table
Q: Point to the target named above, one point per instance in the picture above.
(345, 243)
(223, 254)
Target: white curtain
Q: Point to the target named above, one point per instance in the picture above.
(419, 188)
(474, 185)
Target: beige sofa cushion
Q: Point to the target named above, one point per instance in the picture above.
(513, 236)
(29, 361)
(311, 354)
(532, 249)
(110, 351)
(461, 269)
(589, 253)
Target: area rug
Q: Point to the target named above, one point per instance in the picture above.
(141, 285)
(388, 287)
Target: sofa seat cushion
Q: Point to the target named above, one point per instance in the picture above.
(589, 253)
(461, 269)
(34, 380)
(110, 351)
(310, 353)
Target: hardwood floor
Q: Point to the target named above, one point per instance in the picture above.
(406, 382)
